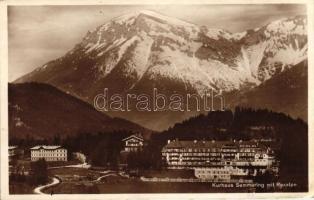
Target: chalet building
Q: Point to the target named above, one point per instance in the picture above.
(215, 158)
(133, 143)
(49, 153)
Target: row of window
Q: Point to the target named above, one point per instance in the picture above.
(229, 150)
(210, 149)
(186, 163)
(247, 154)
(228, 154)
(214, 158)
(213, 154)
(193, 165)
(192, 158)
(223, 176)
(47, 150)
(132, 148)
(133, 145)
(192, 154)
(190, 150)
(50, 159)
(216, 161)
(49, 155)
(217, 171)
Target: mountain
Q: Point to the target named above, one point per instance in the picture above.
(42, 111)
(136, 52)
(273, 48)
(285, 92)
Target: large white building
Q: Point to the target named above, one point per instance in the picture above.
(219, 159)
(49, 153)
(193, 154)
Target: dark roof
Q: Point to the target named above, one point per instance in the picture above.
(47, 147)
(139, 137)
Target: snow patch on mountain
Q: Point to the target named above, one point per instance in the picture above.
(216, 33)
(123, 47)
(289, 55)
(285, 26)
(238, 36)
(254, 54)
(140, 58)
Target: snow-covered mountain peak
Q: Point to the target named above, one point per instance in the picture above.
(287, 26)
(139, 51)
(145, 49)
(274, 47)
(153, 15)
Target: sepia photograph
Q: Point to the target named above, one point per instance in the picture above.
(157, 98)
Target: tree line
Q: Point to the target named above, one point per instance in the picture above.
(103, 149)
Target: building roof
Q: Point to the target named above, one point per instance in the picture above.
(47, 147)
(12, 147)
(138, 137)
(208, 144)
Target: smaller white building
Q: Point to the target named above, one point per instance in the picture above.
(49, 153)
(133, 143)
(12, 151)
(219, 173)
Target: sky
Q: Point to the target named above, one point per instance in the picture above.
(38, 34)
